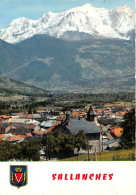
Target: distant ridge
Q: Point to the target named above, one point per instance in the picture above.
(10, 87)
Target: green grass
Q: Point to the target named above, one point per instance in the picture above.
(120, 104)
(117, 155)
(12, 97)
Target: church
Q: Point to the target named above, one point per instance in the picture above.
(88, 126)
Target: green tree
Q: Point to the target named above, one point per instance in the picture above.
(67, 146)
(61, 145)
(30, 109)
(57, 141)
(48, 142)
(128, 125)
(30, 150)
(4, 151)
(80, 142)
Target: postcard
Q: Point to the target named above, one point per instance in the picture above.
(67, 97)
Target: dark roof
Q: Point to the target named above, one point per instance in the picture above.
(75, 125)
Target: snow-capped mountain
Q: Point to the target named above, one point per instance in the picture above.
(82, 22)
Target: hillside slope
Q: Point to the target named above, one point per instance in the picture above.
(13, 87)
(55, 64)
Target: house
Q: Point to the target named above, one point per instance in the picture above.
(17, 129)
(41, 112)
(89, 128)
(37, 134)
(31, 127)
(117, 131)
(4, 117)
(9, 129)
(36, 116)
(14, 121)
(19, 126)
(28, 134)
(16, 138)
(47, 124)
(2, 136)
(78, 114)
(26, 116)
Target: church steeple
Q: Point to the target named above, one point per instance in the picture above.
(91, 115)
(67, 116)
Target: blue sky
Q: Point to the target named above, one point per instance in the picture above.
(34, 9)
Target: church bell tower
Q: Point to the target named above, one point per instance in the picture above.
(91, 115)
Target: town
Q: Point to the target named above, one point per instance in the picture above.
(53, 133)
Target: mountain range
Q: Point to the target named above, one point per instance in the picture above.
(75, 24)
(59, 65)
(13, 87)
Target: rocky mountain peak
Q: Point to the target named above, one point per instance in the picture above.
(83, 21)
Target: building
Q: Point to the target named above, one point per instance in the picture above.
(90, 129)
(88, 126)
(91, 115)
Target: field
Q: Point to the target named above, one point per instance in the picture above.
(118, 155)
(120, 104)
(13, 98)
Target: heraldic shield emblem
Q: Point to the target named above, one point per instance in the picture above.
(18, 176)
